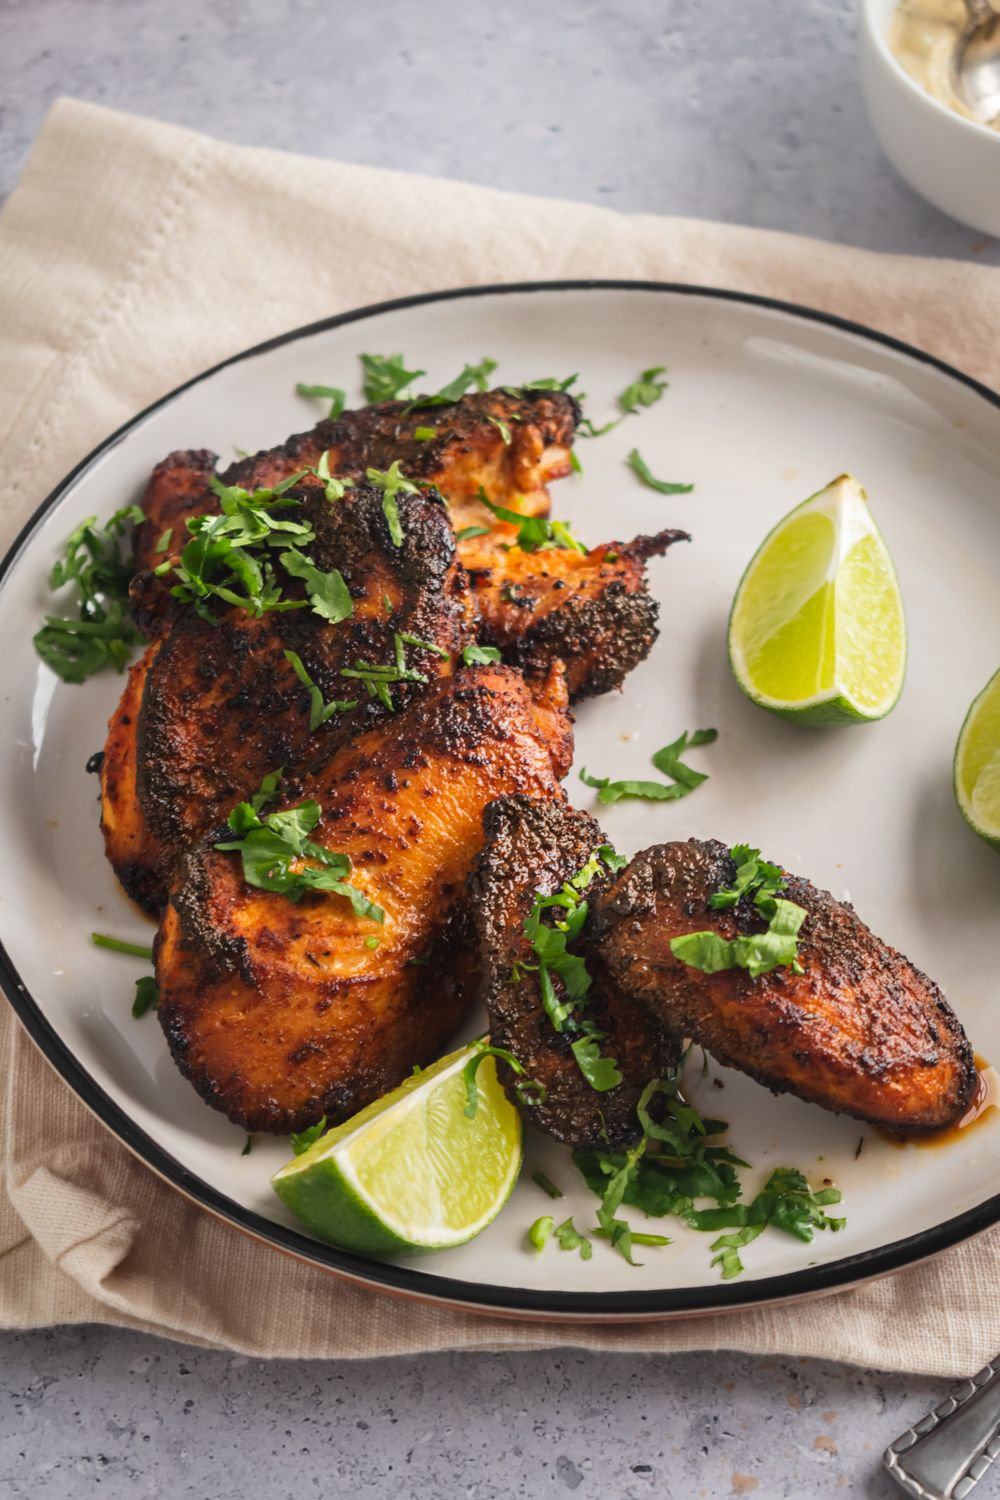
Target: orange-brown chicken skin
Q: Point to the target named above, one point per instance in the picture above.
(215, 705)
(861, 1031)
(281, 1013)
(534, 847)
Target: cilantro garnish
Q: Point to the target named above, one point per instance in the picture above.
(547, 383)
(424, 434)
(335, 487)
(166, 537)
(468, 532)
(386, 377)
(378, 678)
(534, 532)
(683, 779)
(274, 850)
(319, 712)
(645, 391)
(303, 1139)
(118, 945)
(527, 1089)
(99, 566)
(147, 995)
(574, 462)
(569, 1238)
(502, 428)
(563, 979)
(546, 1184)
(332, 393)
(757, 952)
(638, 465)
(479, 656)
(391, 482)
(471, 375)
(327, 592)
(679, 1162)
(247, 1146)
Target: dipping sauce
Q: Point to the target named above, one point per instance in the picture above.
(985, 1100)
(922, 38)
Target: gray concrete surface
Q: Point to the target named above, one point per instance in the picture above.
(617, 103)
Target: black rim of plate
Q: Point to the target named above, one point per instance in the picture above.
(574, 1306)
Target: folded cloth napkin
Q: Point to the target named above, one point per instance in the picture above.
(133, 255)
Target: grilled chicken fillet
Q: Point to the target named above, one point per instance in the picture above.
(281, 1013)
(861, 1031)
(214, 705)
(534, 847)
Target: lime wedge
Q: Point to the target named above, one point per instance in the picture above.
(411, 1172)
(816, 631)
(977, 764)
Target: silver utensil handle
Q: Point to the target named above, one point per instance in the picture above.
(946, 1453)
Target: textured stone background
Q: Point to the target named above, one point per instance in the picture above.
(741, 110)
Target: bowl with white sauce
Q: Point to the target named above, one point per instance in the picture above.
(917, 113)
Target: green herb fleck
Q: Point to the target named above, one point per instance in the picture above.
(378, 678)
(468, 532)
(757, 952)
(574, 462)
(99, 566)
(166, 537)
(482, 1051)
(668, 760)
(327, 592)
(546, 1184)
(392, 481)
(386, 377)
(303, 1139)
(541, 1231)
(247, 1146)
(118, 945)
(424, 434)
(638, 465)
(570, 1239)
(645, 391)
(502, 428)
(273, 850)
(332, 393)
(319, 712)
(479, 656)
(147, 995)
(535, 533)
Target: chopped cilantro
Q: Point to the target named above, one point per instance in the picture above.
(332, 393)
(378, 678)
(319, 712)
(386, 377)
(547, 383)
(327, 592)
(335, 487)
(424, 434)
(99, 566)
(503, 429)
(482, 1051)
(534, 532)
(118, 945)
(147, 995)
(546, 1184)
(303, 1139)
(470, 375)
(757, 952)
(479, 656)
(569, 1238)
(574, 462)
(391, 482)
(645, 391)
(247, 1146)
(166, 537)
(638, 465)
(274, 850)
(668, 760)
(468, 532)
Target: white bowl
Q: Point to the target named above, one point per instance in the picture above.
(950, 160)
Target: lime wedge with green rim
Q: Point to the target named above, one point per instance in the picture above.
(816, 631)
(411, 1172)
(977, 764)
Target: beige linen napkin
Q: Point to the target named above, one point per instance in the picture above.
(132, 255)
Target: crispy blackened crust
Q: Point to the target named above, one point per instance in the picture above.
(281, 1013)
(861, 1031)
(593, 612)
(219, 705)
(535, 846)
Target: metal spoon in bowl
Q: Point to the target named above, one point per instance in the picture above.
(976, 62)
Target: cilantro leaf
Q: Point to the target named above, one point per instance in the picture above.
(392, 481)
(319, 712)
(540, 1231)
(273, 851)
(470, 375)
(332, 393)
(645, 391)
(468, 532)
(546, 1184)
(757, 952)
(482, 1051)
(503, 430)
(378, 677)
(535, 533)
(99, 566)
(303, 1139)
(569, 1238)
(638, 465)
(683, 778)
(118, 945)
(147, 995)
(386, 377)
(479, 656)
(601, 1072)
(328, 593)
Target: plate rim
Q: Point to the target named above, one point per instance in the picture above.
(392, 1277)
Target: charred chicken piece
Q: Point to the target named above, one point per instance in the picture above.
(467, 453)
(534, 847)
(281, 1013)
(215, 705)
(861, 1031)
(592, 611)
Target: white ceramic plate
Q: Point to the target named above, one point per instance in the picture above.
(766, 404)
